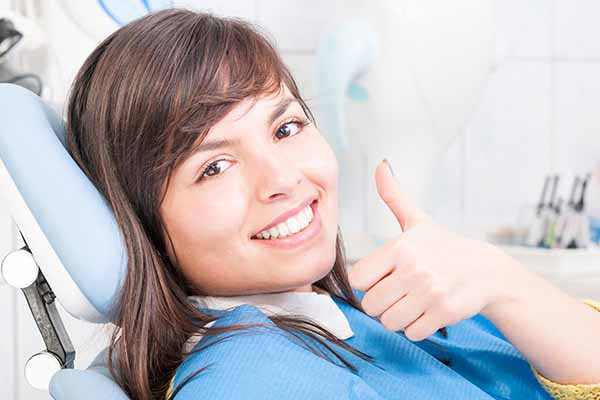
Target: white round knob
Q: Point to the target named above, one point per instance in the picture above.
(19, 269)
(40, 368)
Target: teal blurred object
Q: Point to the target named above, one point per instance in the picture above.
(343, 56)
(595, 229)
(358, 92)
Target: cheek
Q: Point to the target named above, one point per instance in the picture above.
(205, 225)
(318, 158)
(333, 167)
(212, 217)
(319, 163)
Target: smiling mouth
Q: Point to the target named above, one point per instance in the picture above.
(306, 236)
(302, 220)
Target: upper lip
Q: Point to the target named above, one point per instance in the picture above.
(287, 214)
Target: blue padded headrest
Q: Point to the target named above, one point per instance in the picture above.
(68, 225)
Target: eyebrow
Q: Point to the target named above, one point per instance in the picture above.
(280, 109)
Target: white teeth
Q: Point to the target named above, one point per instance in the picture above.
(283, 229)
(302, 220)
(309, 214)
(290, 226)
(294, 224)
(273, 233)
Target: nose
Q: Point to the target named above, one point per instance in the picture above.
(276, 176)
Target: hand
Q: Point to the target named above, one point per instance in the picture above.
(428, 277)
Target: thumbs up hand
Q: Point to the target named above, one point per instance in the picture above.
(428, 277)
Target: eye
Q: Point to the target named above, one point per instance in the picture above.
(214, 169)
(210, 171)
(285, 128)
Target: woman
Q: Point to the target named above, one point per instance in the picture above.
(196, 133)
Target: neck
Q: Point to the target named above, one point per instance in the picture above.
(307, 288)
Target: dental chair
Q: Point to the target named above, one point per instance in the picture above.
(73, 250)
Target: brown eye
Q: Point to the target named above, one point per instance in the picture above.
(285, 130)
(213, 169)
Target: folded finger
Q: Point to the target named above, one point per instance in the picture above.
(387, 291)
(423, 327)
(369, 270)
(403, 312)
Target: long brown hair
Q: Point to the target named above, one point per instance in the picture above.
(137, 106)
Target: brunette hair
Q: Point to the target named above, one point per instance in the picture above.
(139, 104)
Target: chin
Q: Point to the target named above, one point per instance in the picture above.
(311, 271)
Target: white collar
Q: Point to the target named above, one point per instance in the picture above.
(317, 305)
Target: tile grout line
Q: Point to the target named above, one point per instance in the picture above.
(551, 146)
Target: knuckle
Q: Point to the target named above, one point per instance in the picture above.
(444, 306)
(425, 276)
(409, 268)
(399, 247)
(454, 317)
(448, 310)
(410, 254)
(437, 295)
(403, 252)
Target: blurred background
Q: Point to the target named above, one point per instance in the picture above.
(487, 110)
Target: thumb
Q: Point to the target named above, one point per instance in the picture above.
(406, 212)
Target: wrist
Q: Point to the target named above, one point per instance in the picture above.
(511, 283)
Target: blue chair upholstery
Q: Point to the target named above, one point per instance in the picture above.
(67, 224)
(94, 383)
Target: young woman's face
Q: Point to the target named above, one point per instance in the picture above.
(220, 198)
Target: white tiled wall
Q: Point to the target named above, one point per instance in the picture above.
(524, 28)
(575, 117)
(576, 30)
(508, 127)
(296, 25)
(537, 114)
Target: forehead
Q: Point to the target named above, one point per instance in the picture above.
(255, 107)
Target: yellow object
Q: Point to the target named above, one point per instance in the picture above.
(170, 389)
(558, 391)
(561, 391)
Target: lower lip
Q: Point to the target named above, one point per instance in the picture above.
(298, 238)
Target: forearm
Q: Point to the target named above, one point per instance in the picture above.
(558, 334)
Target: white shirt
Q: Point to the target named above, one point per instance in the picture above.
(318, 305)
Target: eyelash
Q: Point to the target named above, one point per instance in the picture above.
(302, 122)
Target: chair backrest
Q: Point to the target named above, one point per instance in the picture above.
(66, 222)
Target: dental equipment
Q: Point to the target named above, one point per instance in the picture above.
(538, 226)
(583, 225)
(566, 222)
(73, 249)
(554, 216)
